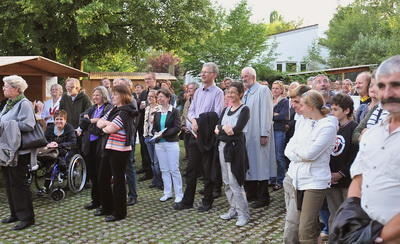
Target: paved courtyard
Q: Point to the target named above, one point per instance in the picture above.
(149, 221)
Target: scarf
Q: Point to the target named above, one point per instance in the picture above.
(11, 102)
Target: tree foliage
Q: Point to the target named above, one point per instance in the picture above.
(278, 24)
(364, 32)
(232, 42)
(74, 29)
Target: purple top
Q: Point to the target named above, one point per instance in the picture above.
(96, 114)
(209, 99)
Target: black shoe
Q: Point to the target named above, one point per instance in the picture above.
(91, 206)
(152, 186)
(251, 199)
(146, 177)
(131, 201)
(100, 212)
(204, 208)
(23, 224)
(10, 219)
(259, 204)
(140, 171)
(181, 206)
(112, 218)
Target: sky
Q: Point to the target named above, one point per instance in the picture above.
(310, 11)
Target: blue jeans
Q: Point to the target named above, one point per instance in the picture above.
(280, 141)
(131, 173)
(324, 217)
(155, 166)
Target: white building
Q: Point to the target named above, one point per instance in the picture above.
(292, 47)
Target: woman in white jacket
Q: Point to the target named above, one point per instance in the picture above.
(309, 174)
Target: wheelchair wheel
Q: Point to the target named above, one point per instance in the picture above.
(77, 173)
(57, 194)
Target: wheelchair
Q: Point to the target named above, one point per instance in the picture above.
(51, 181)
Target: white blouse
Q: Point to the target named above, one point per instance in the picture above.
(49, 109)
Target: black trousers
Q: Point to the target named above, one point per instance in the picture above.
(18, 189)
(198, 162)
(113, 192)
(257, 190)
(146, 162)
(93, 160)
(186, 138)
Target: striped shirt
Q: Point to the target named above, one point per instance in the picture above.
(116, 141)
(377, 116)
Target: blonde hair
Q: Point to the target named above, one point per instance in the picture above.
(314, 99)
(280, 83)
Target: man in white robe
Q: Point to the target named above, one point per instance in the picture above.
(259, 139)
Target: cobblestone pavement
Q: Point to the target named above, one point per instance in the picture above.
(149, 221)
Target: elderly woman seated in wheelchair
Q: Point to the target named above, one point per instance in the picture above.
(59, 160)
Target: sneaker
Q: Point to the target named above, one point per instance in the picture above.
(34, 167)
(165, 198)
(324, 236)
(242, 221)
(178, 199)
(231, 214)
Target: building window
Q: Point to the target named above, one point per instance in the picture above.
(291, 67)
(303, 67)
(279, 67)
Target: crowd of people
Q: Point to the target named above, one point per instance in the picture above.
(330, 145)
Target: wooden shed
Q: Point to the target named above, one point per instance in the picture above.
(39, 72)
(341, 73)
(136, 77)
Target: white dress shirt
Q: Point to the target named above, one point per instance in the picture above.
(378, 161)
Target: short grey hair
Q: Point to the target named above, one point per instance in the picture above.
(213, 66)
(75, 80)
(58, 86)
(195, 84)
(228, 78)
(388, 67)
(17, 82)
(104, 93)
(251, 71)
(127, 82)
(351, 82)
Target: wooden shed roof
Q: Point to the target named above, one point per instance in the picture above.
(36, 65)
(128, 75)
(340, 70)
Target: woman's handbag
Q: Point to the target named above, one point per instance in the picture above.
(47, 154)
(33, 139)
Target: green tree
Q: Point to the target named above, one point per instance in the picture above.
(72, 30)
(278, 24)
(314, 60)
(364, 32)
(232, 42)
